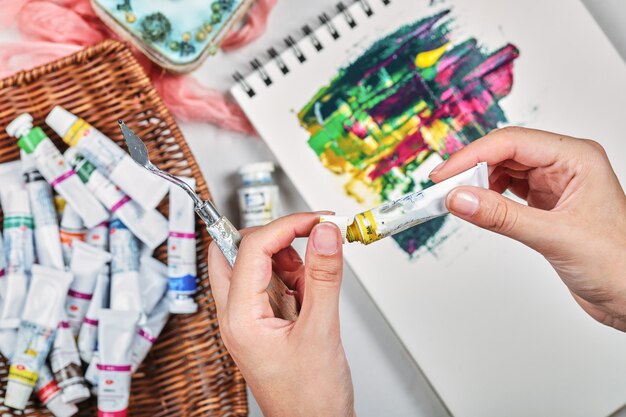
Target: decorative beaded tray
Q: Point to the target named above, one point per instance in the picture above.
(176, 34)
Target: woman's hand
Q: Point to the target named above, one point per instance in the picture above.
(293, 368)
(576, 213)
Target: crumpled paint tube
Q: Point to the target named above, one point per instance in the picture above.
(87, 262)
(46, 234)
(149, 226)
(149, 332)
(125, 289)
(72, 228)
(143, 187)
(66, 365)
(56, 170)
(88, 335)
(49, 394)
(42, 312)
(116, 333)
(152, 281)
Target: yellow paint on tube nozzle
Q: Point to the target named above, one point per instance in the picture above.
(407, 211)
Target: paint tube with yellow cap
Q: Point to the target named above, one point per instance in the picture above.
(407, 211)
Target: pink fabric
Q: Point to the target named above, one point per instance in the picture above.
(61, 27)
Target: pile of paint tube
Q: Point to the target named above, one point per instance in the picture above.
(82, 299)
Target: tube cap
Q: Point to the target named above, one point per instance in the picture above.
(20, 126)
(341, 221)
(183, 306)
(256, 167)
(75, 393)
(60, 120)
(17, 395)
(60, 408)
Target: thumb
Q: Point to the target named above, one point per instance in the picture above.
(323, 269)
(493, 211)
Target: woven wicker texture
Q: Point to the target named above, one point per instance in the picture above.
(188, 372)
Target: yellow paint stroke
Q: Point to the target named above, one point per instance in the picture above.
(427, 59)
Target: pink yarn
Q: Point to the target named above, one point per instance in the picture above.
(62, 27)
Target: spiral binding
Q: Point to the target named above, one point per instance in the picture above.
(292, 45)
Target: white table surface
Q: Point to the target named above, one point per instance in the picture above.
(386, 380)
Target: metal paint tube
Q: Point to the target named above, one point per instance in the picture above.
(148, 225)
(55, 169)
(49, 394)
(407, 211)
(88, 335)
(42, 312)
(149, 332)
(3, 270)
(66, 365)
(143, 187)
(116, 333)
(153, 282)
(47, 238)
(125, 291)
(72, 229)
(181, 251)
(91, 374)
(20, 253)
(87, 262)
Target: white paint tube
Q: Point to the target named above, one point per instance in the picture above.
(19, 252)
(91, 374)
(143, 187)
(407, 211)
(42, 312)
(115, 334)
(47, 238)
(88, 335)
(125, 290)
(181, 251)
(49, 394)
(149, 332)
(56, 170)
(66, 365)
(87, 262)
(72, 229)
(153, 282)
(148, 225)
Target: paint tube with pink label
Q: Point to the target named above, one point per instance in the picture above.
(143, 187)
(49, 394)
(88, 335)
(181, 251)
(72, 229)
(56, 170)
(46, 233)
(42, 312)
(153, 282)
(148, 225)
(116, 333)
(149, 332)
(87, 262)
(66, 365)
(125, 287)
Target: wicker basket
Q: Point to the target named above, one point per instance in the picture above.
(188, 372)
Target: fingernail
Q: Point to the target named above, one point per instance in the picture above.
(463, 202)
(326, 212)
(325, 239)
(437, 168)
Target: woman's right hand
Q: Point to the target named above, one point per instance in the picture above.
(576, 213)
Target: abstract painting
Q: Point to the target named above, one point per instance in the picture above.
(407, 102)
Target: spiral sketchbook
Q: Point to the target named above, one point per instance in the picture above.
(360, 108)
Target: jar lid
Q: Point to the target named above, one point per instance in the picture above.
(256, 167)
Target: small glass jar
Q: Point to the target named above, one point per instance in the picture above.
(259, 201)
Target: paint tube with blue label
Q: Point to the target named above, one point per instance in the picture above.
(125, 287)
(42, 312)
(149, 332)
(47, 238)
(116, 333)
(181, 251)
(143, 187)
(149, 226)
(49, 394)
(407, 211)
(87, 262)
(66, 365)
(55, 169)
(20, 253)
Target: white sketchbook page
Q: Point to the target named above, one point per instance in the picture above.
(494, 330)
